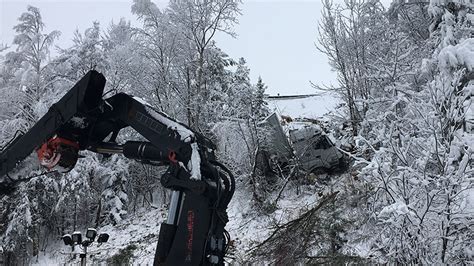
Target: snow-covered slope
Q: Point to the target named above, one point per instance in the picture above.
(138, 234)
(310, 106)
(135, 238)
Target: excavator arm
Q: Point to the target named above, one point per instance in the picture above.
(84, 97)
(202, 188)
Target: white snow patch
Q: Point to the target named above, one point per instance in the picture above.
(194, 165)
(303, 125)
(141, 100)
(306, 107)
(461, 54)
(139, 230)
(467, 202)
(398, 208)
(79, 122)
(470, 18)
(186, 134)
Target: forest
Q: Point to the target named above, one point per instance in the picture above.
(405, 126)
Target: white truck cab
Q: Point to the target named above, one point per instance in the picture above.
(306, 141)
(313, 148)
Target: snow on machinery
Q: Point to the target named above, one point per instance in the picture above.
(194, 233)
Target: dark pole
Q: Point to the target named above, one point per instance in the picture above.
(84, 256)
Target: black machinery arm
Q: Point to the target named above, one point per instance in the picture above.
(84, 97)
(194, 233)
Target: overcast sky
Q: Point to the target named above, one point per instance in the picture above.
(275, 37)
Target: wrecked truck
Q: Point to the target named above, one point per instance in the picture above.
(303, 142)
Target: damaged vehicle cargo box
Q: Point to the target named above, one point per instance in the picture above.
(276, 143)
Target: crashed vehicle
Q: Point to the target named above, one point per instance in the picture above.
(304, 142)
(313, 148)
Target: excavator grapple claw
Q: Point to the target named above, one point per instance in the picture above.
(58, 154)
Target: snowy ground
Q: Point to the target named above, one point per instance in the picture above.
(248, 227)
(140, 230)
(308, 107)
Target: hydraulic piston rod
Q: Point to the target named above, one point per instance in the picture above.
(133, 150)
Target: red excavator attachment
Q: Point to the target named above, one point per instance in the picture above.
(58, 154)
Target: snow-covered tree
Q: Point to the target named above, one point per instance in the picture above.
(113, 174)
(125, 67)
(165, 54)
(85, 54)
(412, 144)
(26, 84)
(32, 45)
(198, 22)
(259, 105)
(24, 71)
(344, 38)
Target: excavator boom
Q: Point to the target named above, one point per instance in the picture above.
(194, 232)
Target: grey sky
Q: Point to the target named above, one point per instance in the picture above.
(277, 40)
(275, 37)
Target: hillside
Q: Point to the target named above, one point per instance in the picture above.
(379, 170)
